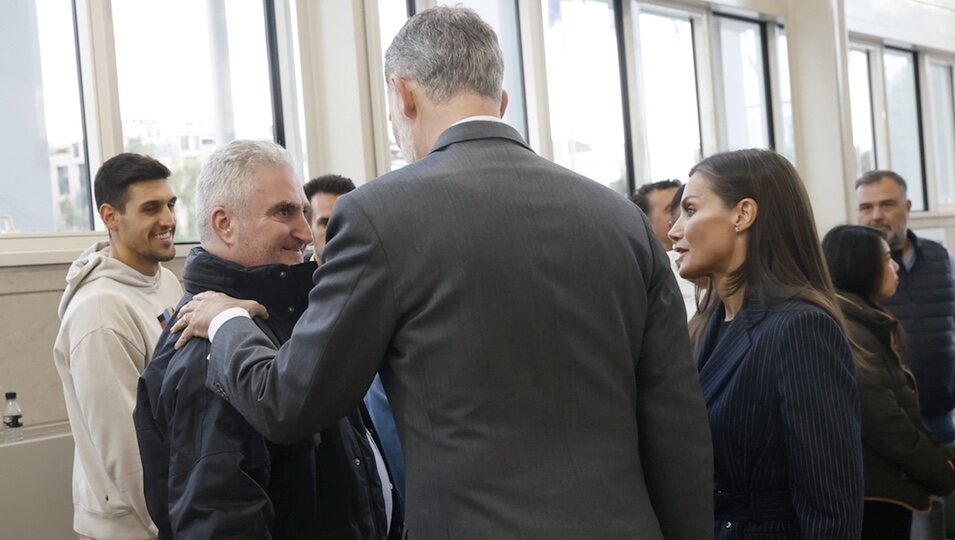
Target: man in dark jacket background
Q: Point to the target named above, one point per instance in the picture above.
(207, 472)
(924, 304)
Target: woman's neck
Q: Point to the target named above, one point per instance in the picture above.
(732, 297)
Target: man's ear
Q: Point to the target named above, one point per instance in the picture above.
(110, 216)
(504, 98)
(908, 205)
(222, 226)
(406, 97)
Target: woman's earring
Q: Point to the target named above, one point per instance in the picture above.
(737, 228)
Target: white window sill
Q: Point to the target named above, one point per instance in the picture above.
(53, 248)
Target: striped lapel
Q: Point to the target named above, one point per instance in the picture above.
(718, 368)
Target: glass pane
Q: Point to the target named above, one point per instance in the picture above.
(669, 88)
(392, 15)
(905, 141)
(787, 146)
(302, 158)
(943, 114)
(745, 110)
(45, 185)
(583, 86)
(502, 16)
(860, 106)
(182, 97)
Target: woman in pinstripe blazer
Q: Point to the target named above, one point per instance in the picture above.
(775, 366)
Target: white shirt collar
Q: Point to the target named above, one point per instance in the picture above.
(480, 117)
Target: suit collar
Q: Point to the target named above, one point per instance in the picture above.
(728, 347)
(474, 130)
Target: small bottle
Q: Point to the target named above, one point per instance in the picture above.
(12, 419)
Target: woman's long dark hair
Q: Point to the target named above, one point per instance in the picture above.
(855, 258)
(783, 258)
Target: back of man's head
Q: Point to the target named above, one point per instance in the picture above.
(121, 171)
(640, 197)
(333, 184)
(448, 51)
(229, 176)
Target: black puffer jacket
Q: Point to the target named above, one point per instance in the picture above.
(209, 474)
(903, 461)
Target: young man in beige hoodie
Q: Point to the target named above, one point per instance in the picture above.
(115, 305)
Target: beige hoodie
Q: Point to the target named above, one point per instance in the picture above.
(109, 327)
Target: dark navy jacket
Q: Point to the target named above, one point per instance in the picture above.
(209, 474)
(784, 413)
(925, 303)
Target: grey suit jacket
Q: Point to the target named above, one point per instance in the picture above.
(531, 338)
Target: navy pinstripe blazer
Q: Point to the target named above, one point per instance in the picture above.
(784, 412)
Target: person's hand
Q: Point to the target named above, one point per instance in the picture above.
(196, 316)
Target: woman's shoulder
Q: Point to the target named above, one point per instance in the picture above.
(784, 314)
(799, 327)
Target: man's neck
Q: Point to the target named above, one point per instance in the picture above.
(144, 266)
(906, 245)
(446, 115)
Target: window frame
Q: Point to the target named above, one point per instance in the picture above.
(706, 118)
(927, 60)
(883, 158)
(102, 122)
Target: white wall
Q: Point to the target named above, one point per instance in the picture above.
(923, 23)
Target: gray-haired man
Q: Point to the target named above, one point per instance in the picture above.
(527, 326)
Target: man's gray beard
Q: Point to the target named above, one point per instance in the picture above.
(896, 239)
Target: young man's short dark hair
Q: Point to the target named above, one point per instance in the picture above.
(639, 197)
(329, 183)
(119, 172)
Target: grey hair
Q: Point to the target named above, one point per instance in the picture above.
(872, 177)
(229, 177)
(447, 50)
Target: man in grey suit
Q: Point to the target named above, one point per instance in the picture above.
(528, 330)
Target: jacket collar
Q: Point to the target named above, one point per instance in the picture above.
(281, 288)
(478, 129)
(916, 247)
(717, 367)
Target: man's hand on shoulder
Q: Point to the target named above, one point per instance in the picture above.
(196, 316)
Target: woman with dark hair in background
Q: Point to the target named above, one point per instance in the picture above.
(903, 461)
(775, 366)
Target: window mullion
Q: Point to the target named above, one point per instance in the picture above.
(531, 21)
(100, 87)
(879, 108)
(706, 87)
(929, 142)
(636, 96)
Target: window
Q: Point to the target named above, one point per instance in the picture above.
(745, 108)
(210, 82)
(391, 17)
(786, 144)
(670, 95)
(583, 86)
(42, 120)
(902, 115)
(860, 106)
(502, 16)
(63, 180)
(943, 116)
